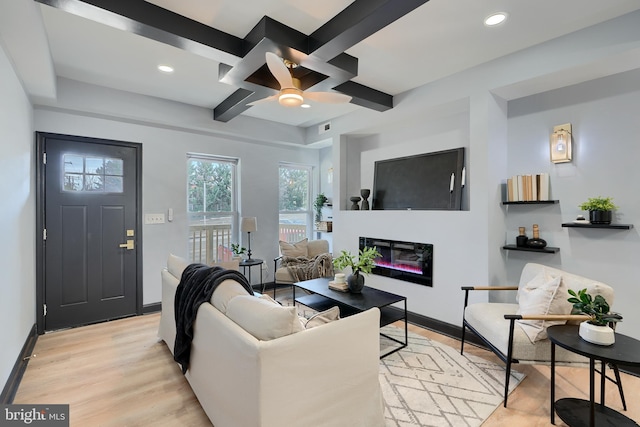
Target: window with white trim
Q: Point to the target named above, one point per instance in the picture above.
(294, 202)
(212, 207)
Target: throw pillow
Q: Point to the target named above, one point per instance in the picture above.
(544, 294)
(225, 292)
(262, 318)
(323, 317)
(295, 250)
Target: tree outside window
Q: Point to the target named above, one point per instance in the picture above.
(212, 207)
(294, 202)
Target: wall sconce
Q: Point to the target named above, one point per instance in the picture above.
(330, 176)
(560, 144)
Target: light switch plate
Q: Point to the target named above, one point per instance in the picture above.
(154, 218)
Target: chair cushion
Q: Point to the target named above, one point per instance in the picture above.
(488, 320)
(262, 317)
(544, 294)
(295, 249)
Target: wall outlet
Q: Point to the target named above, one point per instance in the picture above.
(155, 218)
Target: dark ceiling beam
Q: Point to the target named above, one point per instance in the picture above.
(322, 57)
(365, 96)
(356, 22)
(151, 21)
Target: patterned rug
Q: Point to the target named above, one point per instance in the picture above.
(431, 384)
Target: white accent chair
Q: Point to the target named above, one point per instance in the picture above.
(507, 328)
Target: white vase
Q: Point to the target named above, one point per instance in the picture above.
(601, 335)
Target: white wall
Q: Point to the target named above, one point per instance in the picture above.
(164, 179)
(17, 217)
(505, 138)
(606, 153)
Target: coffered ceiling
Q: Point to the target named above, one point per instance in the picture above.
(371, 50)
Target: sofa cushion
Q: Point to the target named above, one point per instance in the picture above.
(323, 317)
(225, 292)
(263, 318)
(295, 249)
(176, 265)
(544, 294)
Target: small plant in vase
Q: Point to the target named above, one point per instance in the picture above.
(600, 209)
(596, 330)
(237, 250)
(321, 199)
(361, 265)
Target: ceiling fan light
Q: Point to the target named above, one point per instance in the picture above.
(290, 97)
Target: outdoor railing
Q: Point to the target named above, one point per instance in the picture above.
(210, 243)
(292, 233)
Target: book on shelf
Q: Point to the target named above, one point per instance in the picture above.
(528, 188)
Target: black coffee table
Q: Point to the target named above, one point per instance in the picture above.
(323, 298)
(579, 412)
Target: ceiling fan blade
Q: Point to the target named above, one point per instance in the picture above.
(328, 97)
(279, 70)
(264, 100)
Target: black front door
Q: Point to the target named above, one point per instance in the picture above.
(91, 255)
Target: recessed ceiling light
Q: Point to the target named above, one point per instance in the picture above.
(305, 106)
(495, 19)
(165, 68)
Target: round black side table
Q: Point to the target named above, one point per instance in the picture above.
(579, 412)
(250, 263)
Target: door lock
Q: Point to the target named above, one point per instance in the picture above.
(128, 246)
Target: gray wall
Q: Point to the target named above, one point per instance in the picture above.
(164, 182)
(17, 217)
(606, 153)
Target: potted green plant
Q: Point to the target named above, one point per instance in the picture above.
(361, 265)
(596, 330)
(237, 250)
(600, 209)
(321, 199)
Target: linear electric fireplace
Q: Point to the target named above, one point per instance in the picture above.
(408, 261)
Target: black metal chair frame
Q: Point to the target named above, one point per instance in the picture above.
(508, 358)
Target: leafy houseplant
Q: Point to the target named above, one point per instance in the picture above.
(237, 249)
(599, 209)
(321, 199)
(597, 307)
(364, 263)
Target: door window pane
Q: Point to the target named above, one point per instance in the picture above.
(92, 174)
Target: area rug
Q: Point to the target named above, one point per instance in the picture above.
(430, 384)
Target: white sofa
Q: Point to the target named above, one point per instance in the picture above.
(323, 376)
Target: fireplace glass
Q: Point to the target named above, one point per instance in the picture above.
(408, 261)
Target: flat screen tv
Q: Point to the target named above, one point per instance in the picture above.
(421, 182)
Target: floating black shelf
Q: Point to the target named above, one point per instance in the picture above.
(547, 250)
(533, 202)
(613, 226)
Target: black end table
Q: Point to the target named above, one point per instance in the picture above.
(579, 412)
(250, 263)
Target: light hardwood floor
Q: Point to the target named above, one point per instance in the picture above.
(119, 374)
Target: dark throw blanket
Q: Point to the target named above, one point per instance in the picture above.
(196, 286)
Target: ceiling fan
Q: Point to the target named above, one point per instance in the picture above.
(290, 94)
